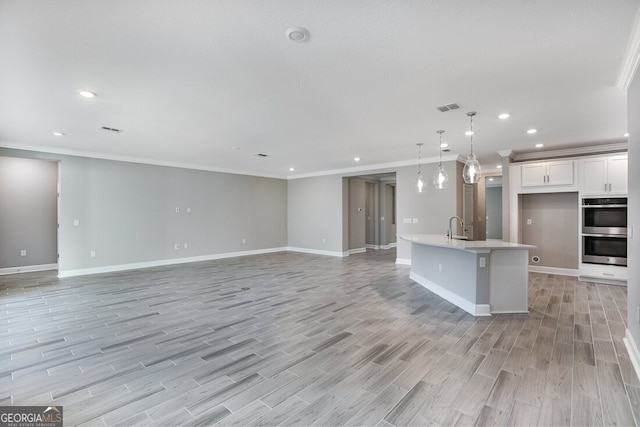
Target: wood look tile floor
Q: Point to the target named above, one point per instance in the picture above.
(298, 339)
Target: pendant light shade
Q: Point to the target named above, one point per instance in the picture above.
(440, 179)
(420, 178)
(472, 171)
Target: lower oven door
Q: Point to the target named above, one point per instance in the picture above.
(604, 249)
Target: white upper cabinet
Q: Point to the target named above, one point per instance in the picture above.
(604, 175)
(543, 174)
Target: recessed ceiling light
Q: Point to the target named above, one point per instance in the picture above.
(539, 145)
(444, 145)
(59, 133)
(532, 131)
(626, 134)
(504, 116)
(297, 34)
(292, 169)
(356, 159)
(86, 94)
(499, 166)
(469, 133)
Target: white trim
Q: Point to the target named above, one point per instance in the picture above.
(632, 349)
(28, 269)
(553, 270)
(366, 168)
(631, 57)
(164, 262)
(618, 145)
(318, 252)
(129, 159)
(389, 246)
(468, 306)
(403, 261)
(357, 251)
(368, 246)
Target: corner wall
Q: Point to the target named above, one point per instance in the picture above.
(633, 253)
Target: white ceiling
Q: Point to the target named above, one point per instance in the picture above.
(189, 80)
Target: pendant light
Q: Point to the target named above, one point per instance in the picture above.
(440, 179)
(420, 179)
(471, 172)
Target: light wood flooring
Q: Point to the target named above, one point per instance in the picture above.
(298, 339)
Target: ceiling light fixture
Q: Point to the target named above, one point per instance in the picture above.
(626, 134)
(420, 179)
(297, 34)
(291, 169)
(504, 116)
(532, 131)
(356, 159)
(499, 166)
(539, 145)
(59, 133)
(86, 94)
(441, 179)
(472, 171)
(444, 145)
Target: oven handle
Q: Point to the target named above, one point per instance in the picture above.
(616, 236)
(604, 206)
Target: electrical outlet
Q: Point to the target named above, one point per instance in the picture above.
(483, 262)
(93, 254)
(324, 240)
(439, 267)
(188, 210)
(185, 245)
(23, 252)
(244, 241)
(529, 221)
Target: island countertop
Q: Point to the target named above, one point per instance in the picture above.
(443, 241)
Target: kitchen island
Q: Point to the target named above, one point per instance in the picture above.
(481, 277)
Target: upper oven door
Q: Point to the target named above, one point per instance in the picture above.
(604, 219)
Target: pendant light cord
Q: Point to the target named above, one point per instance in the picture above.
(471, 129)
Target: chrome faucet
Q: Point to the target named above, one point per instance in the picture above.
(450, 231)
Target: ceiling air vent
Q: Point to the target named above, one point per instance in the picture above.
(448, 107)
(261, 155)
(111, 130)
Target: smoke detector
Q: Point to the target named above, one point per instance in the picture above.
(297, 34)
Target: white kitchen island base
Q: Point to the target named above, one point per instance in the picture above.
(481, 277)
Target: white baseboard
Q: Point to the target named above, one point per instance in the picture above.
(317, 252)
(28, 269)
(160, 263)
(357, 251)
(389, 246)
(554, 270)
(632, 349)
(403, 261)
(468, 306)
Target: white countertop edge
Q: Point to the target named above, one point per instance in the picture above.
(442, 241)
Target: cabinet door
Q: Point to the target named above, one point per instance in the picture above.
(533, 174)
(617, 175)
(560, 173)
(594, 176)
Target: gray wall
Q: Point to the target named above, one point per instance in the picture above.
(493, 201)
(127, 212)
(388, 227)
(28, 212)
(357, 220)
(432, 208)
(553, 229)
(315, 211)
(633, 287)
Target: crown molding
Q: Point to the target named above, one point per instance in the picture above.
(571, 152)
(506, 153)
(631, 57)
